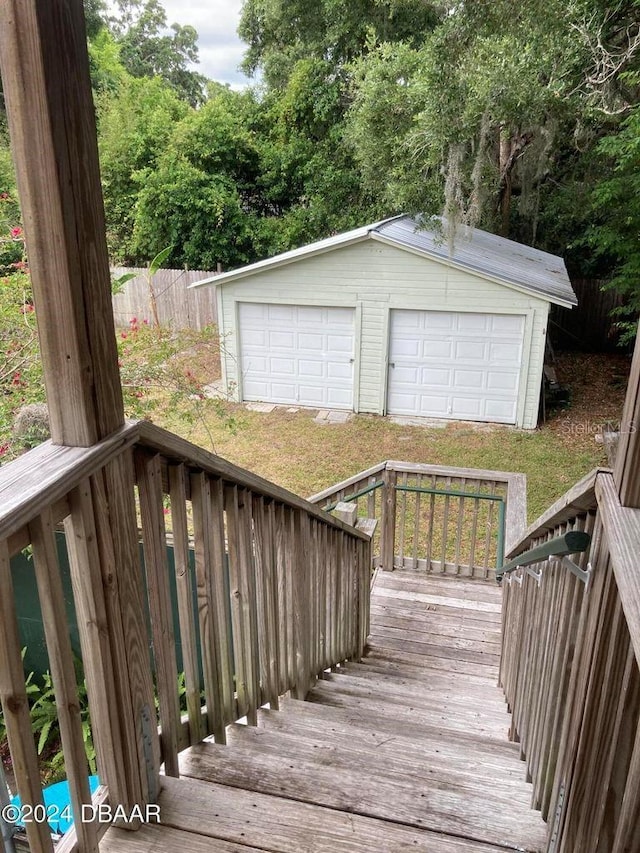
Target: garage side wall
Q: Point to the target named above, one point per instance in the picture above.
(375, 278)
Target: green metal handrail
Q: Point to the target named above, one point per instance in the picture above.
(455, 493)
(573, 542)
(354, 497)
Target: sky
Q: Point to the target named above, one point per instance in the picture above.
(221, 50)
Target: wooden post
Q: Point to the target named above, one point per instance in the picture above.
(45, 75)
(388, 525)
(628, 456)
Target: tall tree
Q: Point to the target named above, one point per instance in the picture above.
(149, 47)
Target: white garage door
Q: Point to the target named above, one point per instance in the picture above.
(455, 365)
(297, 354)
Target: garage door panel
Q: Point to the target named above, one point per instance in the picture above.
(472, 379)
(510, 324)
(310, 368)
(297, 354)
(437, 405)
(471, 350)
(508, 353)
(310, 342)
(455, 365)
(340, 343)
(477, 324)
(435, 378)
(502, 381)
(255, 338)
(438, 321)
(280, 366)
(437, 349)
(467, 408)
(337, 370)
(281, 312)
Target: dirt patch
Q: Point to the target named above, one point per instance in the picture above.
(597, 385)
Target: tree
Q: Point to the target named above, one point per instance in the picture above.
(134, 128)
(199, 195)
(280, 34)
(148, 47)
(615, 233)
(485, 108)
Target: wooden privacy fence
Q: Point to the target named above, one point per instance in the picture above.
(176, 304)
(280, 592)
(570, 672)
(436, 519)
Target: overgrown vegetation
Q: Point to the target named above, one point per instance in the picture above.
(520, 118)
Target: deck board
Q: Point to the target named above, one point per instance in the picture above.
(405, 750)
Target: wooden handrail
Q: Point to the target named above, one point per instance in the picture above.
(282, 592)
(179, 450)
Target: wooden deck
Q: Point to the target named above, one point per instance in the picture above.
(407, 750)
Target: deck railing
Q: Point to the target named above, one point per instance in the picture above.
(571, 647)
(280, 592)
(433, 518)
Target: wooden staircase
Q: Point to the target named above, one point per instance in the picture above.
(406, 750)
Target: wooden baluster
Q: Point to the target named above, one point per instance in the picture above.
(243, 610)
(91, 615)
(474, 534)
(15, 707)
(488, 543)
(266, 588)
(301, 595)
(334, 614)
(322, 596)
(415, 544)
(184, 590)
(221, 599)
(115, 510)
(280, 521)
(460, 529)
(402, 516)
(207, 566)
(56, 632)
(149, 474)
(388, 524)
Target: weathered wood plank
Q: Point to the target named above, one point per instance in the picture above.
(91, 615)
(184, 591)
(15, 707)
(45, 475)
(47, 90)
(112, 492)
(206, 568)
(622, 525)
(156, 566)
(60, 654)
(284, 826)
(179, 450)
(459, 809)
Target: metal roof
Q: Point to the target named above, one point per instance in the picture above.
(471, 249)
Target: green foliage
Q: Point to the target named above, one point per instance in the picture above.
(149, 48)
(615, 233)
(45, 724)
(134, 128)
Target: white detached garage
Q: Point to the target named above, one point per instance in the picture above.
(386, 319)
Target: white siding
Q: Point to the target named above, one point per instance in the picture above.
(373, 278)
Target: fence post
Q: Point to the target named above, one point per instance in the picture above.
(388, 525)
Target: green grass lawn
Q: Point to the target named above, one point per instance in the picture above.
(294, 451)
